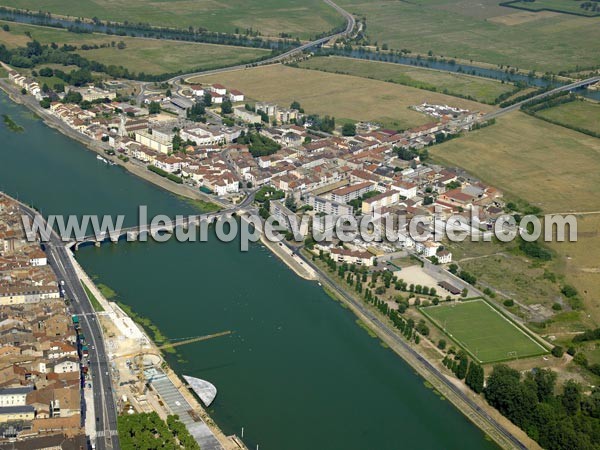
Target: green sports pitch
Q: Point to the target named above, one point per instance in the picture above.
(483, 332)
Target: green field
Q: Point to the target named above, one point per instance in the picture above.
(151, 56)
(582, 114)
(302, 18)
(348, 98)
(465, 86)
(483, 332)
(482, 31)
(567, 6)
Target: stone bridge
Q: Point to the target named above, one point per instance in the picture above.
(133, 234)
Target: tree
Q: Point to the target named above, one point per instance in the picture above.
(475, 377)
(5, 27)
(463, 365)
(557, 351)
(121, 45)
(207, 99)
(154, 108)
(226, 107)
(349, 129)
(571, 398)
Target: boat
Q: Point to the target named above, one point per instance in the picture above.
(102, 159)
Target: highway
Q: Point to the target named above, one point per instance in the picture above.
(104, 404)
(566, 87)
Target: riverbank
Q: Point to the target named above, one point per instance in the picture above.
(118, 328)
(497, 427)
(373, 350)
(53, 122)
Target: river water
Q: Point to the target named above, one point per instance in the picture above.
(298, 372)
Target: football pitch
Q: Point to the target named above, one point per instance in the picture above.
(483, 332)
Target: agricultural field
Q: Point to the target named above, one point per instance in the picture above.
(582, 114)
(462, 85)
(301, 18)
(482, 331)
(567, 6)
(547, 165)
(551, 167)
(152, 56)
(348, 98)
(483, 32)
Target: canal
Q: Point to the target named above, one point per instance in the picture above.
(298, 372)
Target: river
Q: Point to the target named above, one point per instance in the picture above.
(298, 373)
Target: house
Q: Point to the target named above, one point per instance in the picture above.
(16, 413)
(343, 255)
(236, 96)
(427, 248)
(197, 90)
(67, 364)
(216, 98)
(218, 89)
(380, 201)
(444, 257)
(405, 189)
(16, 396)
(348, 193)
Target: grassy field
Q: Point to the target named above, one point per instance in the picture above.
(151, 56)
(554, 168)
(462, 85)
(343, 96)
(568, 6)
(482, 31)
(483, 332)
(301, 18)
(550, 166)
(582, 114)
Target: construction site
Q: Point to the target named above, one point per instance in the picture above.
(143, 382)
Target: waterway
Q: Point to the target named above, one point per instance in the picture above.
(298, 372)
(425, 62)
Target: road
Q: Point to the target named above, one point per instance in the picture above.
(104, 403)
(350, 24)
(384, 328)
(566, 87)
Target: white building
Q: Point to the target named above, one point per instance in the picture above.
(16, 396)
(236, 96)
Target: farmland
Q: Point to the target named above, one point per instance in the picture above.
(467, 86)
(153, 56)
(347, 97)
(582, 114)
(302, 18)
(482, 331)
(484, 32)
(572, 7)
(533, 160)
(551, 167)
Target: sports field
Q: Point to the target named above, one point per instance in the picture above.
(483, 332)
(467, 86)
(342, 96)
(302, 18)
(482, 31)
(151, 56)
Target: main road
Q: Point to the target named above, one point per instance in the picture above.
(566, 87)
(104, 403)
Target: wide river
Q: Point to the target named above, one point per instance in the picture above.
(298, 372)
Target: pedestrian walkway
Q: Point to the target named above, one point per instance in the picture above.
(171, 396)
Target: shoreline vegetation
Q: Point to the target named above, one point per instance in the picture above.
(194, 196)
(159, 339)
(12, 125)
